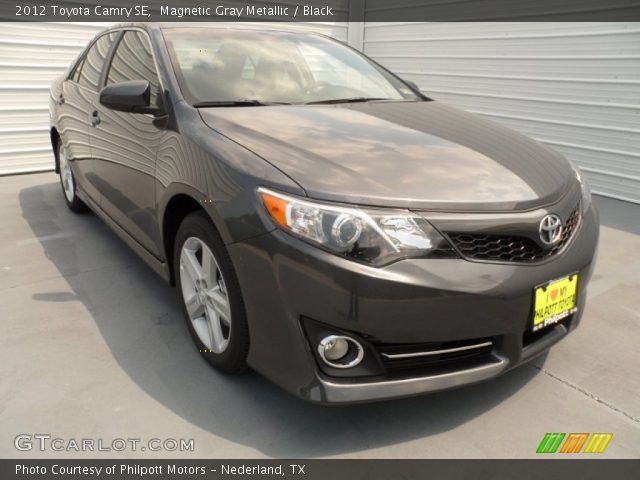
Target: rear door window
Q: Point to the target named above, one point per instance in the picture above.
(75, 72)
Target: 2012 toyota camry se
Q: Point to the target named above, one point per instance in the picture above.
(324, 222)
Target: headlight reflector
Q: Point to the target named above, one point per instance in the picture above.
(346, 229)
(373, 236)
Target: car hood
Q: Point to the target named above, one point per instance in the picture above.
(420, 155)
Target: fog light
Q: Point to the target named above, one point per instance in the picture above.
(340, 352)
(335, 348)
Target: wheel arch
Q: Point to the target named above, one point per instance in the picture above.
(181, 200)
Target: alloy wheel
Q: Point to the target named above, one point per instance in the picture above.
(205, 295)
(66, 176)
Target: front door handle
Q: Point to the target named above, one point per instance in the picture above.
(95, 118)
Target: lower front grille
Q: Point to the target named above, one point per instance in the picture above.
(511, 248)
(434, 357)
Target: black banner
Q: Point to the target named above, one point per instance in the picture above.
(320, 10)
(320, 469)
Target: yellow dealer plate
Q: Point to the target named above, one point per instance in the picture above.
(555, 301)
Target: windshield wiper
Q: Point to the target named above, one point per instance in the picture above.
(345, 100)
(235, 103)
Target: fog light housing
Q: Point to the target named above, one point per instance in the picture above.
(339, 351)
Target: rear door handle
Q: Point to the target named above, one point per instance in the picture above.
(95, 118)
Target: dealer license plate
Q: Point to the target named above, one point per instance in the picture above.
(555, 301)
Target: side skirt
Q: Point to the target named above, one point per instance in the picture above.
(161, 268)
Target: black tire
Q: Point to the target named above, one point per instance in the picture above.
(233, 359)
(70, 195)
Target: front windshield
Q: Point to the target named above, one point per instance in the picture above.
(217, 65)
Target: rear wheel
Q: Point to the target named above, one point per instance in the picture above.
(210, 294)
(68, 182)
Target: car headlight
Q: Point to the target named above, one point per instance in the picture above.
(586, 191)
(373, 236)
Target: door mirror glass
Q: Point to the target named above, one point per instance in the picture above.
(133, 96)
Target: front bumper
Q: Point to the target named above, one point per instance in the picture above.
(285, 280)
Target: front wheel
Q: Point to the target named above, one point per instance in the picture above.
(68, 182)
(210, 294)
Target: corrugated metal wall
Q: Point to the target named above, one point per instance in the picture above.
(574, 86)
(31, 56)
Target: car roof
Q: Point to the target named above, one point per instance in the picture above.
(216, 25)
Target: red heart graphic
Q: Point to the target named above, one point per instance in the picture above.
(554, 294)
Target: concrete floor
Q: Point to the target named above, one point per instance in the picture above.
(92, 344)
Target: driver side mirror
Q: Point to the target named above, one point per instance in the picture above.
(133, 97)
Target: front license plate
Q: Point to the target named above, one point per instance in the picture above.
(555, 301)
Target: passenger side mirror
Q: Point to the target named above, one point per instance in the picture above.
(412, 85)
(134, 97)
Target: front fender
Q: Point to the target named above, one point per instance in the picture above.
(217, 172)
(177, 188)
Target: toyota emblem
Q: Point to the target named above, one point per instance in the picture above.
(550, 229)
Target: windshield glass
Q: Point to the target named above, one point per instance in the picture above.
(223, 65)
